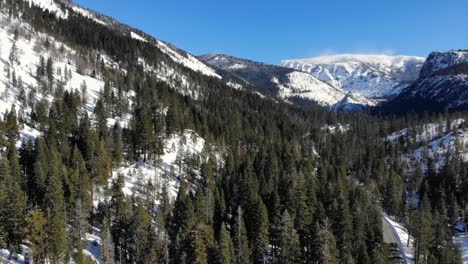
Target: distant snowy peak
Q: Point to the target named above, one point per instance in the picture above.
(443, 82)
(439, 62)
(370, 75)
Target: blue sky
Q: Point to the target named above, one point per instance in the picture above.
(270, 31)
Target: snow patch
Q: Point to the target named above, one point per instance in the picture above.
(87, 14)
(137, 37)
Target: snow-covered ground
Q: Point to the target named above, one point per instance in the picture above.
(167, 172)
(93, 245)
(426, 132)
(402, 236)
(18, 258)
(461, 239)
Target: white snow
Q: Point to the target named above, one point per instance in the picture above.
(369, 75)
(237, 66)
(235, 85)
(19, 258)
(462, 239)
(137, 37)
(332, 129)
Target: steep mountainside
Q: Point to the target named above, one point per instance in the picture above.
(281, 82)
(373, 76)
(443, 83)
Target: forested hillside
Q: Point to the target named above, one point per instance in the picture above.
(112, 151)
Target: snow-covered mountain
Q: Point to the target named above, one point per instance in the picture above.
(373, 76)
(283, 83)
(443, 82)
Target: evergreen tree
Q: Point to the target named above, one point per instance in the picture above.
(289, 240)
(36, 234)
(56, 218)
(226, 253)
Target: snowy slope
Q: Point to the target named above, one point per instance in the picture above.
(51, 6)
(369, 75)
(438, 149)
(302, 85)
(434, 141)
(167, 172)
(281, 82)
(426, 132)
(352, 102)
(165, 72)
(29, 51)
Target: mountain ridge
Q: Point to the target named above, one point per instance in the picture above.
(373, 76)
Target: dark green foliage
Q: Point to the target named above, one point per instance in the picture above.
(272, 184)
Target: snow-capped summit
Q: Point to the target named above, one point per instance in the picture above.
(373, 76)
(437, 62)
(443, 83)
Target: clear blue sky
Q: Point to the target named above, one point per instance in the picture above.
(270, 31)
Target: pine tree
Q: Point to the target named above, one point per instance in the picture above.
(423, 231)
(56, 220)
(101, 118)
(15, 202)
(107, 249)
(36, 235)
(327, 245)
(140, 239)
(226, 253)
(259, 239)
(289, 240)
(240, 240)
